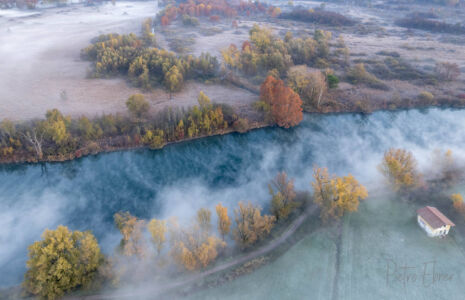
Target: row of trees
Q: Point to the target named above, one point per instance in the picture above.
(214, 9)
(65, 260)
(146, 66)
(60, 135)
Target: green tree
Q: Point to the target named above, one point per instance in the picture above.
(56, 126)
(138, 106)
(87, 130)
(62, 261)
(204, 101)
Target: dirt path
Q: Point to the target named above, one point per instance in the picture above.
(238, 261)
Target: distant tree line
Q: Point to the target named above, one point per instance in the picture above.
(213, 9)
(430, 25)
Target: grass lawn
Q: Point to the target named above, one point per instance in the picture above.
(384, 255)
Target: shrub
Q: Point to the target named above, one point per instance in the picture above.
(189, 21)
(318, 16)
(359, 75)
(241, 125)
(333, 81)
(426, 96)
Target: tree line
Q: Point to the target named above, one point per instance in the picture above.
(62, 137)
(213, 9)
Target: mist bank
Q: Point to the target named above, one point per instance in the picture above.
(84, 194)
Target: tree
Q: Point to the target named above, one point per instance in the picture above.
(445, 167)
(283, 195)
(147, 35)
(131, 229)
(457, 202)
(137, 106)
(36, 138)
(224, 222)
(400, 168)
(62, 261)
(447, 71)
(311, 86)
(157, 229)
(193, 248)
(285, 104)
(204, 216)
(336, 195)
(55, 126)
(173, 80)
(204, 101)
(87, 130)
(251, 226)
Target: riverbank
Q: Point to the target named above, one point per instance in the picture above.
(114, 144)
(108, 145)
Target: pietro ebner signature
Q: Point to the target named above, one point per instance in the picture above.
(425, 273)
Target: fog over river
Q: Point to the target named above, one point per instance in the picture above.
(175, 181)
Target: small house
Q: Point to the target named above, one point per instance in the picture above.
(433, 221)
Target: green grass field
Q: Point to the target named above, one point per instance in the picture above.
(384, 255)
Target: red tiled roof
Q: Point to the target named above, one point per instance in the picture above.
(434, 217)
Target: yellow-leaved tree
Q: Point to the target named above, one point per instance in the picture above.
(400, 168)
(336, 195)
(282, 196)
(61, 262)
(457, 202)
(224, 222)
(192, 247)
(204, 217)
(131, 229)
(157, 229)
(251, 226)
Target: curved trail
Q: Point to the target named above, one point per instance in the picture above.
(154, 292)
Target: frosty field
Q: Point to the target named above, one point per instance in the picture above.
(384, 255)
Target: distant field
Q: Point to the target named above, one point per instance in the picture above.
(383, 234)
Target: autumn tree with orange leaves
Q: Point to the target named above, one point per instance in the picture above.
(285, 105)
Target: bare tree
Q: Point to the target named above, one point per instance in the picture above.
(447, 71)
(35, 138)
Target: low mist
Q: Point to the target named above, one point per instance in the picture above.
(176, 181)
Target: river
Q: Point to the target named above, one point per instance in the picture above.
(175, 181)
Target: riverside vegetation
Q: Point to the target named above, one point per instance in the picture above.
(197, 244)
(65, 261)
